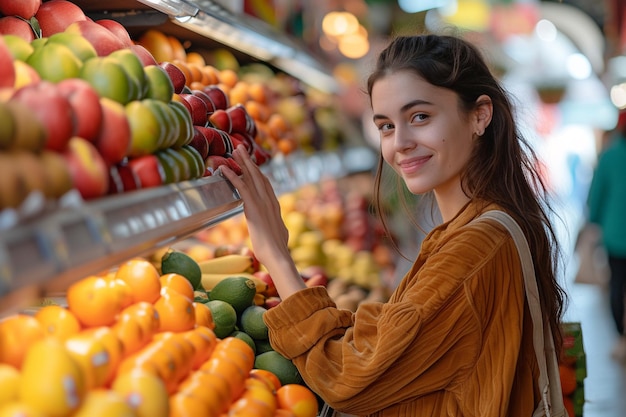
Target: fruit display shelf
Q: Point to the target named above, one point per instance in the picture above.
(46, 252)
(208, 23)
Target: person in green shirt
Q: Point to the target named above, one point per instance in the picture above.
(606, 203)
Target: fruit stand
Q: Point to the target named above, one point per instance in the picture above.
(89, 199)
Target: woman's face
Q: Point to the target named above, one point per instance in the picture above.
(424, 136)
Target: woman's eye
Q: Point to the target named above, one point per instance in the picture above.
(418, 117)
(385, 127)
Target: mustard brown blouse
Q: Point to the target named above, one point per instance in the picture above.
(455, 338)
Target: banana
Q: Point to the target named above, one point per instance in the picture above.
(210, 280)
(227, 264)
(259, 299)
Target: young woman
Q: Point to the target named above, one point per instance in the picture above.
(455, 338)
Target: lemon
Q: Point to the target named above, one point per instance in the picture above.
(252, 322)
(9, 382)
(177, 262)
(280, 366)
(224, 317)
(245, 337)
(236, 290)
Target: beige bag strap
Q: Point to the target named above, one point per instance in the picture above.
(549, 378)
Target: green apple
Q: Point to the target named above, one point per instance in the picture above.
(146, 128)
(160, 85)
(171, 167)
(134, 68)
(181, 161)
(54, 62)
(19, 47)
(194, 159)
(82, 49)
(109, 78)
(185, 123)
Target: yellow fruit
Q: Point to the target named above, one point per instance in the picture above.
(9, 382)
(62, 390)
(224, 317)
(17, 334)
(252, 322)
(280, 366)
(19, 409)
(104, 403)
(237, 291)
(58, 321)
(144, 391)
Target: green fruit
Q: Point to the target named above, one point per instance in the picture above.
(262, 346)
(252, 322)
(224, 317)
(160, 86)
(280, 366)
(237, 291)
(78, 44)
(182, 264)
(196, 163)
(134, 68)
(54, 62)
(245, 337)
(109, 78)
(19, 47)
(185, 129)
(146, 128)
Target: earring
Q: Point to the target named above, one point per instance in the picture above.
(479, 133)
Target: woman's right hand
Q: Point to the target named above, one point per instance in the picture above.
(268, 233)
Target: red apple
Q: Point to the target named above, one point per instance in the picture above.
(176, 75)
(199, 111)
(218, 96)
(56, 15)
(85, 103)
(144, 55)
(207, 100)
(243, 139)
(220, 119)
(240, 120)
(200, 142)
(122, 179)
(267, 278)
(90, 175)
(260, 155)
(11, 25)
(118, 30)
(102, 39)
(247, 251)
(213, 162)
(7, 70)
(22, 8)
(148, 169)
(113, 139)
(50, 107)
(271, 302)
(232, 164)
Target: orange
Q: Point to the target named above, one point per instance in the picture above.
(230, 370)
(144, 391)
(131, 334)
(176, 312)
(207, 381)
(181, 351)
(58, 321)
(17, 334)
(298, 399)
(93, 301)
(569, 405)
(142, 277)
(260, 392)
(183, 404)
(145, 314)
(204, 317)
(568, 379)
(210, 396)
(268, 377)
(113, 345)
(245, 407)
(92, 356)
(236, 350)
(283, 413)
(177, 283)
(229, 77)
(203, 343)
(104, 403)
(122, 290)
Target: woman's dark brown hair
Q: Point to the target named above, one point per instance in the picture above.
(503, 167)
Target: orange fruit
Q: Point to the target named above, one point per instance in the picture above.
(210, 396)
(181, 351)
(92, 356)
(129, 331)
(104, 403)
(569, 406)
(145, 314)
(177, 283)
(17, 334)
(230, 370)
(19, 409)
(184, 404)
(144, 391)
(58, 321)
(298, 399)
(204, 317)
(260, 392)
(93, 301)
(176, 312)
(203, 342)
(246, 406)
(142, 277)
(267, 376)
(113, 345)
(208, 381)
(122, 290)
(237, 350)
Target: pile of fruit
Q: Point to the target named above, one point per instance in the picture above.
(137, 341)
(573, 369)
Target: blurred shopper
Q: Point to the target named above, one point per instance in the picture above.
(456, 337)
(606, 205)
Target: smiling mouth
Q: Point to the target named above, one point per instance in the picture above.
(413, 164)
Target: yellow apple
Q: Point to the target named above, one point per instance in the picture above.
(109, 78)
(54, 62)
(147, 133)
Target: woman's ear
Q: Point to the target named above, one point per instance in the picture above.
(483, 113)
